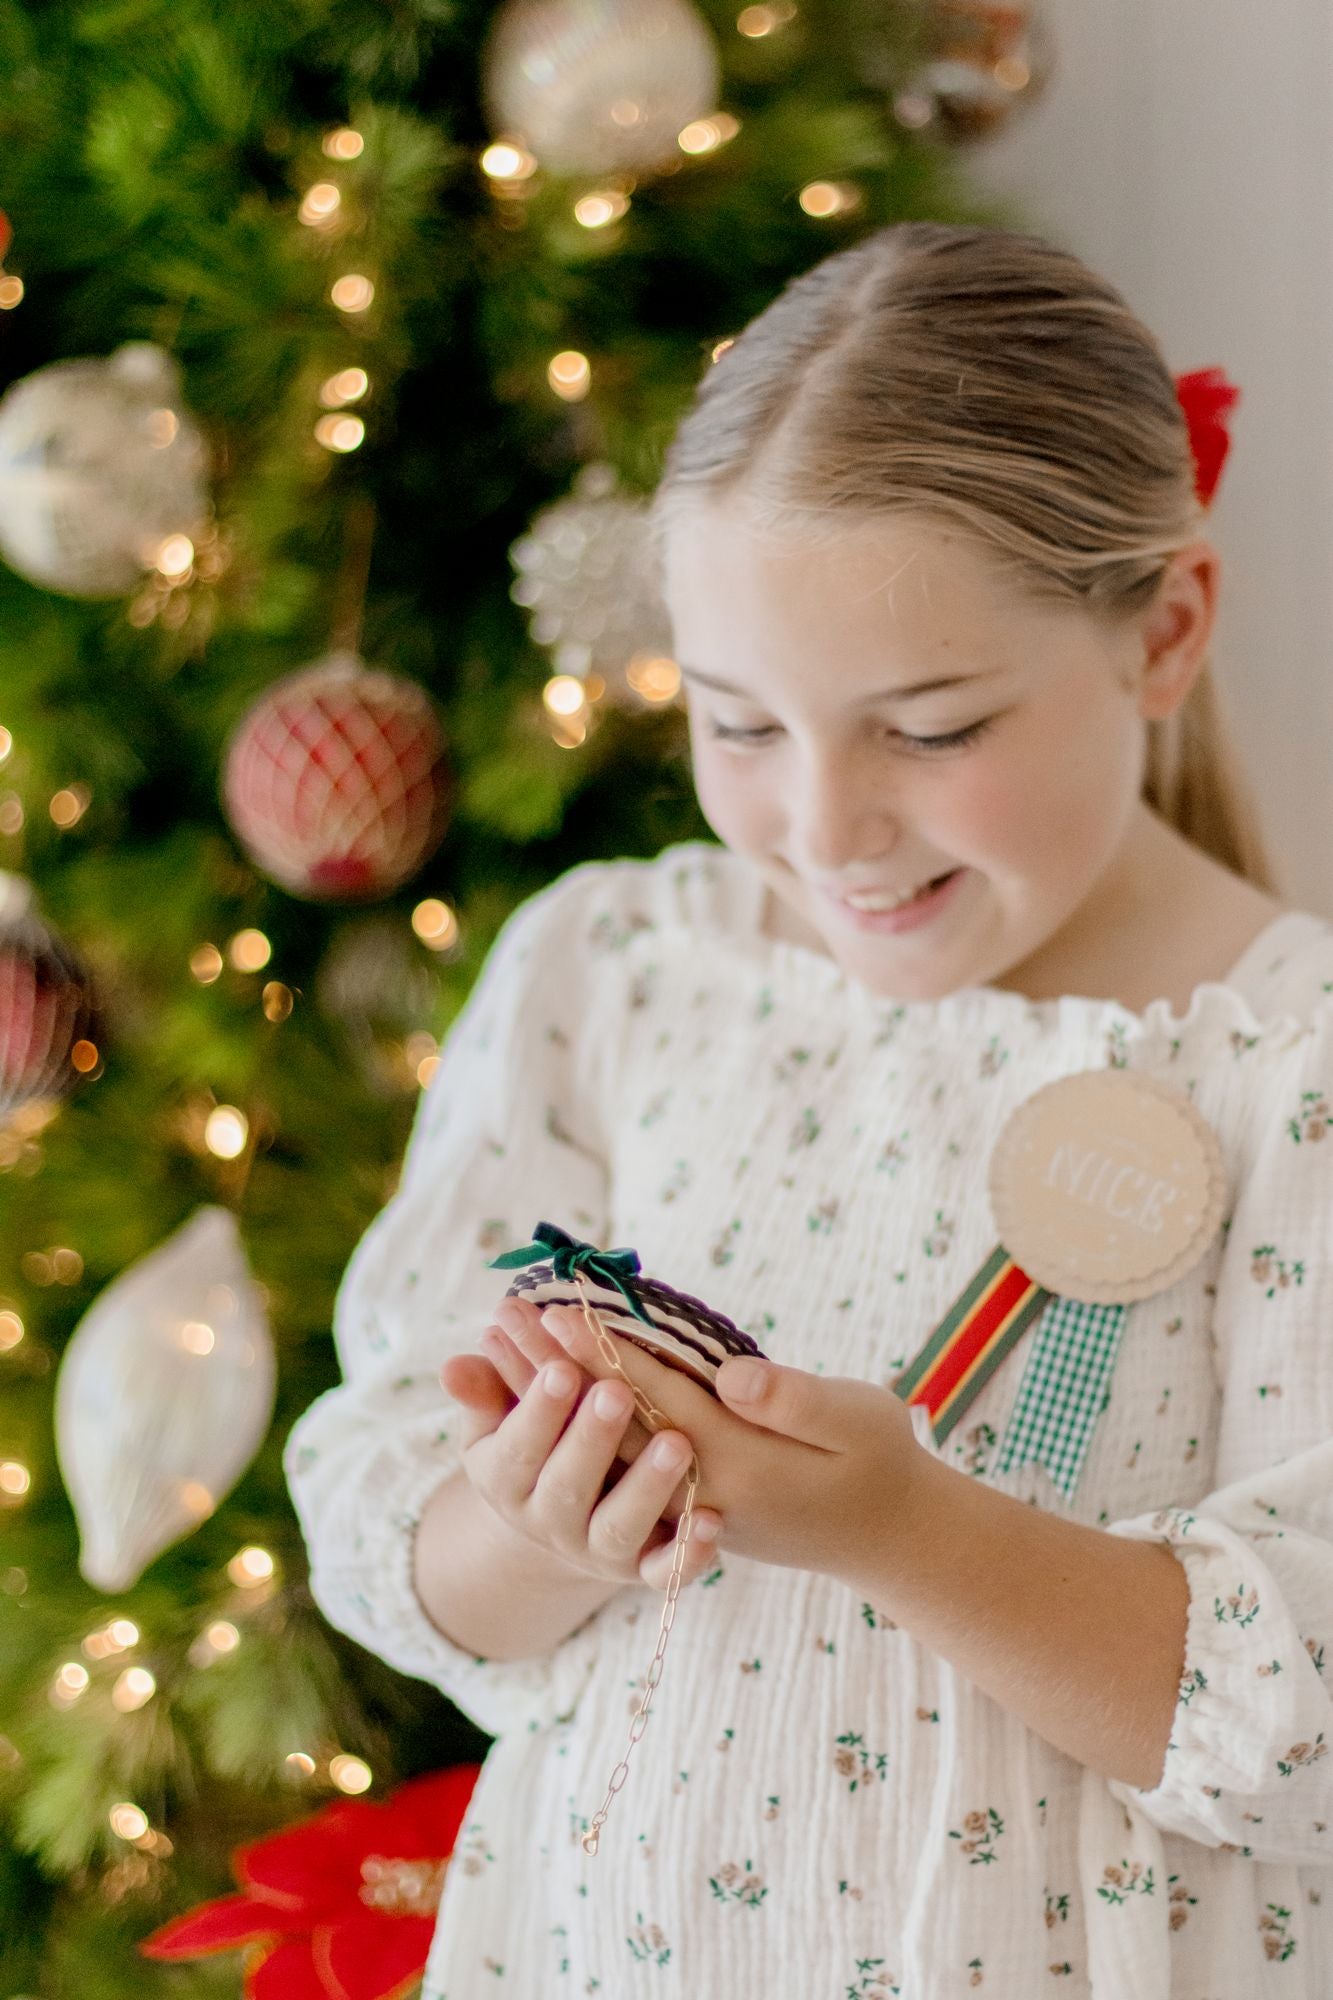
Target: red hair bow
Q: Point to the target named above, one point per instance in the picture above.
(1207, 397)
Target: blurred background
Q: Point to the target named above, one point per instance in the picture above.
(339, 349)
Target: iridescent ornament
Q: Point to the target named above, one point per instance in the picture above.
(981, 64)
(587, 576)
(336, 782)
(46, 1003)
(100, 466)
(599, 86)
(165, 1394)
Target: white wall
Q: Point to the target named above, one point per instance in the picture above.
(1184, 148)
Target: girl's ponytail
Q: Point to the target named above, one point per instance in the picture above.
(993, 381)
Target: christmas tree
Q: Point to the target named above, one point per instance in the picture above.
(319, 651)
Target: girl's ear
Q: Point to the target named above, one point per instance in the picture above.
(1177, 630)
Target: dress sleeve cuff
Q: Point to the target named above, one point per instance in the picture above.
(1247, 1766)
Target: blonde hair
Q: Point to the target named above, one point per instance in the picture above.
(991, 380)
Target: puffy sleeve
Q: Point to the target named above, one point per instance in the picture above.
(1249, 1766)
(508, 1133)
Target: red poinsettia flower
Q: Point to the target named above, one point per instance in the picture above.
(341, 1906)
(1207, 397)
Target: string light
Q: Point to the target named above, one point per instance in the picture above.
(422, 1053)
(117, 1637)
(351, 1774)
(570, 375)
(130, 1822)
(298, 1762)
(206, 963)
(824, 198)
(705, 135)
(352, 293)
(132, 1690)
(174, 556)
(435, 924)
(564, 695)
(69, 805)
(507, 160)
(6, 744)
(320, 205)
(756, 22)
(85, 1057)
(196, 1336)
(162, 428)
(595, 211)
(15, 1479)
(70, 1682)
(340, 433)
(11, 291)
(196, 1499)
(277, 1000)
(66, 1264)
(214, 1643)
(349, 385)
(249, 951)
(344, 144)
(653, 679)
(250, 1567)
(11, 1330)
(11, 813)
(226, 1131)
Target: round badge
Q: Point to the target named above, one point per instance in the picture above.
(1107, 1186)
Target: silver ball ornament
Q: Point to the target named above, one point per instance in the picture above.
(599, 86)
(99, 464)
(589, 580)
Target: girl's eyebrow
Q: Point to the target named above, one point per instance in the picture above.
(888, 694)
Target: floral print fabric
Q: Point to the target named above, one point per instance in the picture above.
(821, 1807)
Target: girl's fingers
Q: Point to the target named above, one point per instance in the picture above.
(522, 1321)
(700, 1551)
(511, 1459)
(623, 1522)
(473, 1382)
(513, 1368)
(574, 1477)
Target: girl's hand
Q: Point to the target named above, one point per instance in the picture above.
(512, 1350)
(809, 1473)
(544, 1463)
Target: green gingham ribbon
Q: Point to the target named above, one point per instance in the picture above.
(567, 1255)
(1064, 1390)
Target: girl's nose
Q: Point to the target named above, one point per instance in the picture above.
(842, 821)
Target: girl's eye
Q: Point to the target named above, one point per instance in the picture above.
(954, 740)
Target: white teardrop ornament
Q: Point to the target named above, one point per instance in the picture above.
(165, 1395)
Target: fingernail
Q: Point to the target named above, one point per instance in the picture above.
(557, 1380)
(745, 1380)
(708, 1531)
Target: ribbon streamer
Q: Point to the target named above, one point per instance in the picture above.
(1066, 1386)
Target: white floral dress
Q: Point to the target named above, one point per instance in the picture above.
(822, 1808)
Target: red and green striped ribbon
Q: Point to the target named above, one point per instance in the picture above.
(972, 1340)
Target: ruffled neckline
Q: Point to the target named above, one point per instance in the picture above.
(808, 970)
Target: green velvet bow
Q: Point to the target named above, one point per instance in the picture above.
(568, 1255)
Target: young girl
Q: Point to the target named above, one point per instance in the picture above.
(937, 1715)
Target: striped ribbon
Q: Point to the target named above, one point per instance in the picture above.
(1067, 1381)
